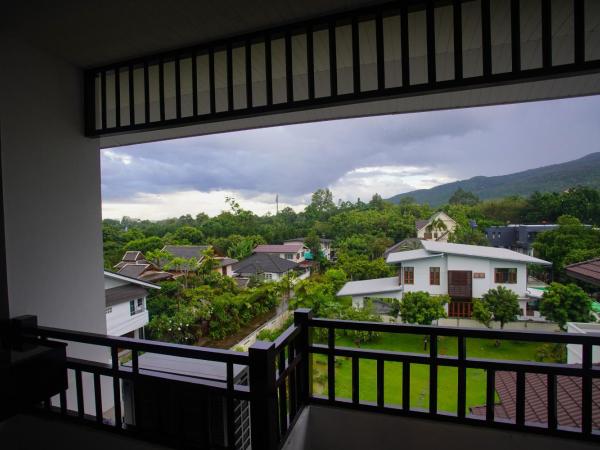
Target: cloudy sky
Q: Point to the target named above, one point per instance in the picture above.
(354, 158)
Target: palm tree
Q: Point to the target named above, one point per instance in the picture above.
(436, 225)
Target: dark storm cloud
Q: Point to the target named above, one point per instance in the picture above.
(296, 160)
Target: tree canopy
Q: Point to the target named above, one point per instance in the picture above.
(499, 305)
(564, 303)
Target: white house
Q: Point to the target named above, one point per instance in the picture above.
(292, 252)
(126, 313)
(426, 229)
(461, 271)
(325, 245)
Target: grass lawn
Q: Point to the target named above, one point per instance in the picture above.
(419, 389)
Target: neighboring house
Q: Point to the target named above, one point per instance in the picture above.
(186, 252)
(464, 272)
(126, 313)
(131, 257)
(568, 400)
(134, 265)
(291, 252)
(269, 267)
(516, 237)
(461, 271)
(433, 230)
(225, 265)
(325, 245)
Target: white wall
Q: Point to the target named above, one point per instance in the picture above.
(51, 191)
(487, 266)
(453, 262)
(421, 271)
(574, 351)
(120, 321)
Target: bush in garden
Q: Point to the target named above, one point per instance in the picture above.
(422, 308)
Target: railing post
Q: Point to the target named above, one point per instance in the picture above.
(263, 396)
(18, 325)
(304, 341)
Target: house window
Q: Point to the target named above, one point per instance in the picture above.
(409, 275)
(108, 310)
(289, 256)
(508, 276)
(268, 276)
(132, 307)
(140, 302)
(434, 275)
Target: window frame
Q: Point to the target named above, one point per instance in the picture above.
(406, 278)
(435, 276)
(509, 275)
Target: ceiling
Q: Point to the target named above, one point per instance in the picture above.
(92, 33)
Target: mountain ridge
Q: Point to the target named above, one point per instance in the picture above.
(584, 171)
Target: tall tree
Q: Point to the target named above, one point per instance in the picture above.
(564, 303)
(499, 305)
(570, 242)
(462, 197)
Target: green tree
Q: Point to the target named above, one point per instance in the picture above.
(436, 225)
(144, 245)
(468, 235)
(462, 197)
(499, 305)
(564, 303)
(321, 205)
(570, 242)
(313, 242)
(422, 308)
(188, 235)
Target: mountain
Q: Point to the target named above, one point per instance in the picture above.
(557, 177)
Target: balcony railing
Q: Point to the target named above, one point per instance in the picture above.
(278, 383)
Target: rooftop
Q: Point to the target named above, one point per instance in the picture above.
(433, 248)
(263, 262)
(375, 286)
(588, 271)
(568, 399)
(285, 248)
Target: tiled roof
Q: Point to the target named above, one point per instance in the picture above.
(568, 399)
(223, 261)
(420, 224)
(477, 251)
(587, 271)
(131, 256)
(133, 270)
(263, 262)
(289, 248)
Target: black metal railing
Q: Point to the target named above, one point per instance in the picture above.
(146, 420)
(263, 391)
(586, 372)
(308, 65)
